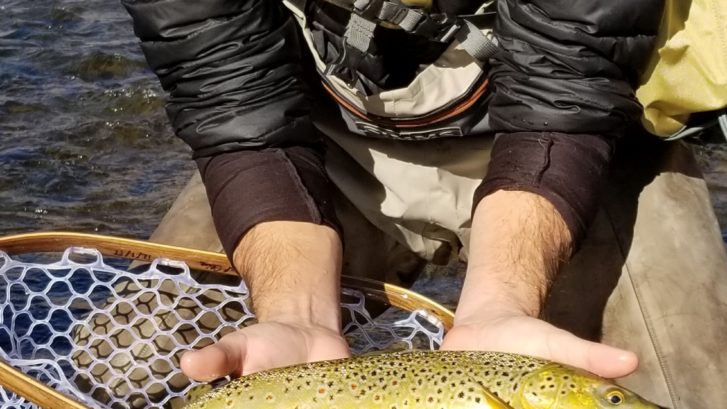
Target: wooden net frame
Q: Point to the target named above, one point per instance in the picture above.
(42, 395)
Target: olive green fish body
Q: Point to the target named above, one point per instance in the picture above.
(419, 379)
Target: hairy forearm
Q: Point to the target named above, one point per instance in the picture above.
(517, 244)
(292, 270)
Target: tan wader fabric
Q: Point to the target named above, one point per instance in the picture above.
(651, 275)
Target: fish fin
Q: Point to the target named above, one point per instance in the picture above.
(494, 402)
(392, 350)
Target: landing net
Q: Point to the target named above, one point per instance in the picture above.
(112, 338)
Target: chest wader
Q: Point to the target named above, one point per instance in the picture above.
(402, 69)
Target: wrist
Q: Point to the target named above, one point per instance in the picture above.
(292, 270)
(299, 309)
(517, 242)
(486, 296)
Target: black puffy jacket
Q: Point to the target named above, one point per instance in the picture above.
(236, 75)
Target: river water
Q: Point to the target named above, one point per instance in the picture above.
(85, 143)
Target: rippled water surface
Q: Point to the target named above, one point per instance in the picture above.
(85, 143)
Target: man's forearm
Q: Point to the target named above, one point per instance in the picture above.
(518, 242)
(293, 272)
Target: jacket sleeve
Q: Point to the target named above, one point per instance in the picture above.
(232, 69)
(570, 65)
(563, 91)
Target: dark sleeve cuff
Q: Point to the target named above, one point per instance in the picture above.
(569, 170)
(250, 187)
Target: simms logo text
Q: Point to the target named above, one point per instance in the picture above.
(379, 132)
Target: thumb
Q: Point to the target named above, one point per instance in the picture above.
(217, 360)
(600, 359)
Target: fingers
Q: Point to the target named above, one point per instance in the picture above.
(217, 360)
(600, 359)
(531, 336)
(260, 347)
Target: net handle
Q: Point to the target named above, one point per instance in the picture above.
(33, 391)
(206, 261)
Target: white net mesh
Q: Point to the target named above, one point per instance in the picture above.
(112, 338)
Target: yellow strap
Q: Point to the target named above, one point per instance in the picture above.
(688, 72)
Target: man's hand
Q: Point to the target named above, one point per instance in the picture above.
(518, 242)
(522, 334)
(292, 270)
(264, 346)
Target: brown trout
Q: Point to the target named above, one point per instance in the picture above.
(424, 379)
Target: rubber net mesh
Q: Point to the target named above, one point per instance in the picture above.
(112, 338)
